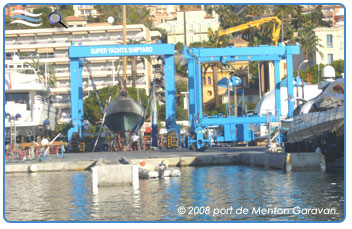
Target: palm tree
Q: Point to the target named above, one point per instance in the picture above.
(214, 41)
(286, 13)
(134, 62)
(256, 10)
(309, 43)
(40, 68)
(227, 16)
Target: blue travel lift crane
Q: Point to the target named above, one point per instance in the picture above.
(231, 128)
(77, 55)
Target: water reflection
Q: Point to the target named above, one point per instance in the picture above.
(68, 195)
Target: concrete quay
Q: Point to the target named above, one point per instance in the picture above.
(252, 156)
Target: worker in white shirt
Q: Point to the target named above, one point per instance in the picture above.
(135, 139)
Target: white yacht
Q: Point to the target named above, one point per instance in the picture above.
(28, 110)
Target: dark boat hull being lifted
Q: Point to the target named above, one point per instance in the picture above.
(124, 115)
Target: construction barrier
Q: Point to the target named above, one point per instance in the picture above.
(32, 151)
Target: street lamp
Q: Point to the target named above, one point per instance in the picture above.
(299, 69)
(300, 65)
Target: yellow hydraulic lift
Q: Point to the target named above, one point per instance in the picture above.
(257, 23)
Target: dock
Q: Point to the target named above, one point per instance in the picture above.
(250, 156)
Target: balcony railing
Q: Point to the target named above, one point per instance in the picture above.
(56, 40)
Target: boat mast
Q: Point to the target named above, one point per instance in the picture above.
(124, 42)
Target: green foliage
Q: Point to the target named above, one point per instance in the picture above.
(227, 16)
(92, 111)
(182, 69)
(251, 106)
(40, 68)
(311, 73)
(161, 112)
(179, 47)
(62, 128)
(339, 66)
(309, 42)
(182, 114)
(211, 109)
(163, 34)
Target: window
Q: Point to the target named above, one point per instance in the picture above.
(204, 81)
(330, 58)
(22, 98)
(329, 41)
(209, 80)
(161, 20)
(338, 89)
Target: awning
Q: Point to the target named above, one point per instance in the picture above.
(11, 50)
(61, 32)
(27, 50)
(79, 32)
(11, 35)
(42, 34)
(45, 50)
(97, 61)
(97, 31)
(27, 35)
(61, 48)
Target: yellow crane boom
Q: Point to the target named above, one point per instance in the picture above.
(257, 23)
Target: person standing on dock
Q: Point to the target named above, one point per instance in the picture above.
(135, 139)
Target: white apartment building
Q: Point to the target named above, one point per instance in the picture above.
(332, 40)
(198, 22)
(51, 45)
(85, 11)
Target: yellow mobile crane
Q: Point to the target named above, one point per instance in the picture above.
(257, 23)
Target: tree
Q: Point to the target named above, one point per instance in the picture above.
(227, 15)
(309, 42)
(179, 47)
(286, 13)
(182, 114)
(163, 34)
(256, 10)
(214, 41)
(40, 68)
(92, 111)
(134, 61)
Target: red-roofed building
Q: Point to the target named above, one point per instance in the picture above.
(9, 9)
(73, 21)
(238, 42)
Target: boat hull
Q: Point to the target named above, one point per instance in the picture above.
(124, 115)
(323, 129)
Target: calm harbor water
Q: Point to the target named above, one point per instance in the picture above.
(220, 193)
